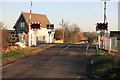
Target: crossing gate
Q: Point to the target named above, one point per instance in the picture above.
(108, 43)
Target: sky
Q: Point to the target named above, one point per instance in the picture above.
(84, 14)
(119, 16)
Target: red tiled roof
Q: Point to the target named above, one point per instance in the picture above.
(36, 18)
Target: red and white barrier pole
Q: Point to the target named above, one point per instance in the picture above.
(29, 35)
(30, 16)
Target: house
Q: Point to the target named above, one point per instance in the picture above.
(30, 37)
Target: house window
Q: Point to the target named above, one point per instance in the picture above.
(22, 24)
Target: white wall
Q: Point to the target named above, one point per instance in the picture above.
(44, 33)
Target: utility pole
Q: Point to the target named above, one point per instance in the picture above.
(63, 29)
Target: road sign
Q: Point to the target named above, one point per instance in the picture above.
(102, 33)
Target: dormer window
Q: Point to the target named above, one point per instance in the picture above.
(22, 24)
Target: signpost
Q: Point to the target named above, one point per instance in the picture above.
(102, 27)
(50, 27)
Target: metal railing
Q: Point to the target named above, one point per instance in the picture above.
(109, 43)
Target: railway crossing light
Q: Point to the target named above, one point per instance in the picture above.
(102, 27)
(50, 27)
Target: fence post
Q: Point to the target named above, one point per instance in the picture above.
(99, 41)
(110, 44)
(116, 43)
(105, 43)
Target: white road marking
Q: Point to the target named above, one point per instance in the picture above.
(92, 61)
(87, 48)
(65, 48)
(96, 47)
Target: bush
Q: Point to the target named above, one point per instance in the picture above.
(74, 35)
(5, 36)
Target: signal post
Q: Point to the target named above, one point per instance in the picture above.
(103, 28)
(33, 29)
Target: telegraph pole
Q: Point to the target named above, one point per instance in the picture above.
(63, 29)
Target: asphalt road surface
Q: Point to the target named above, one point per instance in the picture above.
(59, 61)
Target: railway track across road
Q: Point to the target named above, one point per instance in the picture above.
(59, 61)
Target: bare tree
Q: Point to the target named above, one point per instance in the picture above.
(1, 25)
(72, 26)
(71, 33)
(58, 33)
(4, 36)
(91, 36)
(66, 25)
(78, 35)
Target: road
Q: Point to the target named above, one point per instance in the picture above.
(59, 61)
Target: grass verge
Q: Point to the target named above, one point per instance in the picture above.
(106, 66)
(17, 54)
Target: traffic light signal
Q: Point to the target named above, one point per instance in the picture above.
(50, 26)
(35, 25)
(102, 26)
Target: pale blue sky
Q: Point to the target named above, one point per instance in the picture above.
(84, 14)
